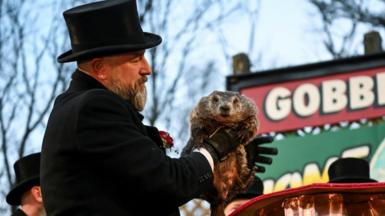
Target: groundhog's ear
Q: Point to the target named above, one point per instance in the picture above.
(193, 114)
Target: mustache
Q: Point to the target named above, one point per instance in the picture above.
(143, 80)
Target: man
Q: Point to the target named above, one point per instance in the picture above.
(26, 192)
(97, 157)
(254, 190)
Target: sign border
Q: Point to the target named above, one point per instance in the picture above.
(306, 71)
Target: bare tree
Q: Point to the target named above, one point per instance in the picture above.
(32, 34)
(31, 79)
(344, 22)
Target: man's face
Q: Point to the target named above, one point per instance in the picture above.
(127, 74)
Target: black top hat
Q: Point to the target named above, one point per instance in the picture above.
(254, 190)
(349, 170)
(27, 170)
(105, 28)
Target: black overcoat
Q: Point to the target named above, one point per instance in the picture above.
(19, 212)
(99, 159)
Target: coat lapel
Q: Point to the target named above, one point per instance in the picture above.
(153, 133)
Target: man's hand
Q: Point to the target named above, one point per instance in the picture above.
(221, 142)
(257, 154)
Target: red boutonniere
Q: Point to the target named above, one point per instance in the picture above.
(167, 140)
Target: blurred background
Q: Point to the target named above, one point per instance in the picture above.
(200, 38)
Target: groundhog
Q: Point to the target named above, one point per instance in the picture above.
(229, 109)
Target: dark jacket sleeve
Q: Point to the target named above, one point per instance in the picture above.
(107, 130)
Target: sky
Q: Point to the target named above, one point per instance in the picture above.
(285, 29)
(287, 34)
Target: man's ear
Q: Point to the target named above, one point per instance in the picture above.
(98, 68)
(36, 193)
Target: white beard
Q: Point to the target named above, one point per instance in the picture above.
(136, 94)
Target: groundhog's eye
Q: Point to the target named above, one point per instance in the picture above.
(215, 98)
(235, 100)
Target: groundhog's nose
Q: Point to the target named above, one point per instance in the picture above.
(224, 109)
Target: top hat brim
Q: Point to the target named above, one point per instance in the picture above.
(14, 196)
(150, 40)
(351, 179)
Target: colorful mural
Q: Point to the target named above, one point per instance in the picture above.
(305, 160)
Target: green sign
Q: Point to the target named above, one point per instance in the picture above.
(305, 160)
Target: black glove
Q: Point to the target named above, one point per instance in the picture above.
(221, 142)
(255, 153)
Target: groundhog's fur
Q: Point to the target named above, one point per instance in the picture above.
(230, 109)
